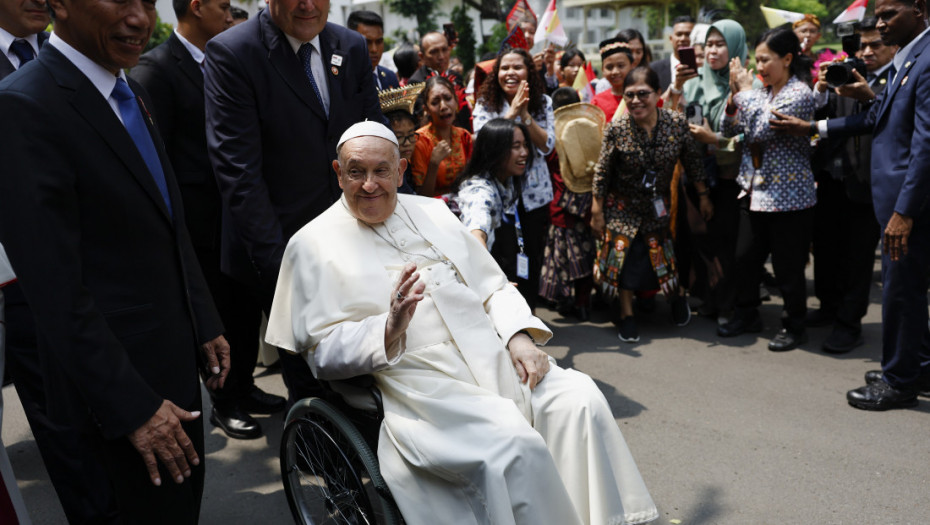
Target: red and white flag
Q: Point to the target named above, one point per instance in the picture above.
(550, 27)
(853, 13)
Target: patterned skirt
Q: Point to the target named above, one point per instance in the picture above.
(569, 253)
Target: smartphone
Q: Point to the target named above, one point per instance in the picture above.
(695, 114)
(686, 56)
(451, 34)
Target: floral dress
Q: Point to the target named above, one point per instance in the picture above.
(634, 177)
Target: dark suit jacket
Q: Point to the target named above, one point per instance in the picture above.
(900, 122)
(270, 141)
(663, 68)
(119, 301)
(174, 83)
(848, 159)
(6, 67)
(388, 78)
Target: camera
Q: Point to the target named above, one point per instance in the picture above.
(840, 74)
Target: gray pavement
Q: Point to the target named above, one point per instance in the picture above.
(724, 431)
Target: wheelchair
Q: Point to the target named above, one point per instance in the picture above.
(329, 469)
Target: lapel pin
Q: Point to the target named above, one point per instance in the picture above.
(904, 81)
(336, 60)
(335, 71)
(883, 81)
(907, 65)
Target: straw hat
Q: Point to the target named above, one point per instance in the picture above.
(579, 131)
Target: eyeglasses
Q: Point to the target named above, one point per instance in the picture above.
(359, 175)
(407, 139)
(642, 95)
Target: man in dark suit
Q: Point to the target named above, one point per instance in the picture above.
(280, 90)
(434, 57)
(845, 229)
(369, 25)
(92, 220)
(899, 120)
(680, 37)
(172, 74)
(79, 481)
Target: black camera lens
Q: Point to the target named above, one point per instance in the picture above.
(839, 74)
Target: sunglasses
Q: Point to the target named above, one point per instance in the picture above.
(642, 95)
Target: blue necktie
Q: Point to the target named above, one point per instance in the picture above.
(304, 53)
(22, 50)
(135, 125)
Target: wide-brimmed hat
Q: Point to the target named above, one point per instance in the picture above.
(579, 131)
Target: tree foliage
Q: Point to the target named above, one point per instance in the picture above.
(161, 33)
(493, 43)
(465, 48)
(422, 10)
(491, 9)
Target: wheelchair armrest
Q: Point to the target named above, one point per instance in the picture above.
(360, 393)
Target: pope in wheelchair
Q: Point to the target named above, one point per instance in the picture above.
(480, 425)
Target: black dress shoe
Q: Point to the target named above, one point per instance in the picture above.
(787, 340)
(257, 401)
(819, 317)
(741, 324)
(627, 331)
(880, 396)
(875, 376)
(842, 341)
(235, 422)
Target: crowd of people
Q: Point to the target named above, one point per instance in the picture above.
(153, 218)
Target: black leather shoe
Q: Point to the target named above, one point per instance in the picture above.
(842, 341)
(787, 340)
(819, 317)
(235, 422)
(875, 376)
(741, 324)
(880, 396)
(260, 402)
(628, 332)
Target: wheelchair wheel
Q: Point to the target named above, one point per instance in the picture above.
(330, 474)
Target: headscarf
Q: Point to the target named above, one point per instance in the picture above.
(711, 89)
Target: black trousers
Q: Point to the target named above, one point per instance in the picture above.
(722, 235)
(139, 501)
(845, 235)
(787, 237)
(241, 313)
(79, 479)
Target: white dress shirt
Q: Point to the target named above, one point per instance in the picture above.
(196, 52)
(316, 65)
(6, 40)
(102, 79)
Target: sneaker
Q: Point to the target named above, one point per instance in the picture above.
(628, 333)
(681, 311)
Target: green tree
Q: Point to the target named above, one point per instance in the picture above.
(465, 49)
(493, 43)
(160, 34)
(422, 10)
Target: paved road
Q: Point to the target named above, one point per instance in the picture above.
(724, 431)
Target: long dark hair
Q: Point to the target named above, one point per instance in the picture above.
(492, 96)
(783, 42)
(630, 35)
(433, 81)
(492, 149)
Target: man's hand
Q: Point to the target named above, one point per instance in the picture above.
(162, 436)
(790, 125)
(404, 299)
(217, 354)
(821, 85)
(532, 364)
(897, 232)
(858, 89)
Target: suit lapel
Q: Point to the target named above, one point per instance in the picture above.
(329, 45)
(285, 61)
(6, 67)
(186, 62)
(87, 101)
(899, 80)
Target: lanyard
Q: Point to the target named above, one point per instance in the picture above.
(516, 217)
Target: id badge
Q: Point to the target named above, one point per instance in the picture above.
(523, 266)
(660, 207)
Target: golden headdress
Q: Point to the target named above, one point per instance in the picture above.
(402, 98)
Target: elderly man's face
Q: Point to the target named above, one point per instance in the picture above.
(112, 33)
(370, 171)
(302, 19)
(23, 17)
(434, 52)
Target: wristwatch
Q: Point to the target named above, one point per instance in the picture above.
(814, 131)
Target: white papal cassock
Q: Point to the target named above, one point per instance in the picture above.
(463, 441)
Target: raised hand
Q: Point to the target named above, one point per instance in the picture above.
(404, 299)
